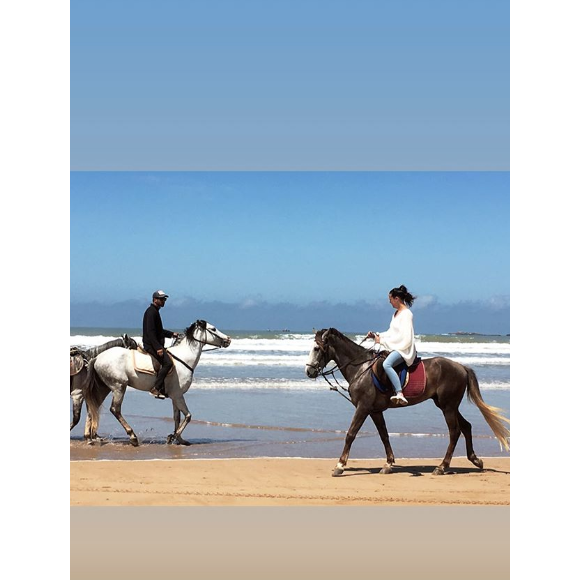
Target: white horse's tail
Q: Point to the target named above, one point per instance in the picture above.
(95, 394)
(491, 414)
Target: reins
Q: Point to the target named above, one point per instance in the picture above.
(182, 362)
(331, 371)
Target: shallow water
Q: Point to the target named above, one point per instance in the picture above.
(260, 423)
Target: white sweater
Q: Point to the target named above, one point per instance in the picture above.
(401, 336)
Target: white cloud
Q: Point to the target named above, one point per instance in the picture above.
(498, 302)
(424, 301)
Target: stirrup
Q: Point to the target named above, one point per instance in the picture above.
(399, 399)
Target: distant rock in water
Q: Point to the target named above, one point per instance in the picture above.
(461, 333)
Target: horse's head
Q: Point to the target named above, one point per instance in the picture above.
(202, 331)
(320, 355)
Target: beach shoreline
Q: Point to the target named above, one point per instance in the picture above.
(287, 482)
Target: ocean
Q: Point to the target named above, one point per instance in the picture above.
(253, 399)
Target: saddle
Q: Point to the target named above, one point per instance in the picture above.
(412, 377)
(77, 361)
(143, 362)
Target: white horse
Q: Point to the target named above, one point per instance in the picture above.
(115, 368)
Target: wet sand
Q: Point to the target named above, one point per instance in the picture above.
(286, 482)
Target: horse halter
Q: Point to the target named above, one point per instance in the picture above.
(324, 374)
(318, 368)
(203, 325)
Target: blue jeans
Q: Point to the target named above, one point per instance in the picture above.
(394, 359)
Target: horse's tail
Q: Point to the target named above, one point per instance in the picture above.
(491, 414)
(93, 398)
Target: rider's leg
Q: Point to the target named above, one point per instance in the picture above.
(394, 359)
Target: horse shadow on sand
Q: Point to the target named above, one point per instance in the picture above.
(419, 470)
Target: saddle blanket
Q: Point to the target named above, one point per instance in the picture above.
(412, 379)
(143, 362)
(415, 381)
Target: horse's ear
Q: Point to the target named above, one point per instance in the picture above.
(325, 335)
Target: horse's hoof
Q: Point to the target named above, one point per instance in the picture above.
(134, 442)
(170, 439)
(439, 471)
(387, 469)
(337, 472)
(477, 462)
(183, 442)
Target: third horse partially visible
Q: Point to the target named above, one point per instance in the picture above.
(79, 361)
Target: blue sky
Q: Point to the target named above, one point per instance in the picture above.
(401, 109)
(256, 84)
(290, 237)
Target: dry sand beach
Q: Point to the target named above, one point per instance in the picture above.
(286, 482)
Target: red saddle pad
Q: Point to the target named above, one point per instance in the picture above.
(416, 383)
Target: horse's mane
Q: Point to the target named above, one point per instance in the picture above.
(336, 334)
(188, 332)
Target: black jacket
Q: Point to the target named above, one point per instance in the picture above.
(153, 333)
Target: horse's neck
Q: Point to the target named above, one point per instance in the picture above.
(188, 351)
(96, 350)
(347, 353)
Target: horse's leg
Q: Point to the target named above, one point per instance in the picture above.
(118, 395)
(180, 406)
(465, 427)
(359, 418)
(452, 420)
(176, 420)
(77, 399)
(379, 421)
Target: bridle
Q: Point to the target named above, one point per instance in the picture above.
(198, 324)
(320, 372)
(212, 333)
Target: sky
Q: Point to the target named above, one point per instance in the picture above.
(262, 85)
(285, 164)
(291, 244)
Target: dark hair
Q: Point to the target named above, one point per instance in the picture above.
(402, 293)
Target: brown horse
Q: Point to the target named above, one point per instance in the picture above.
(446, 383)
